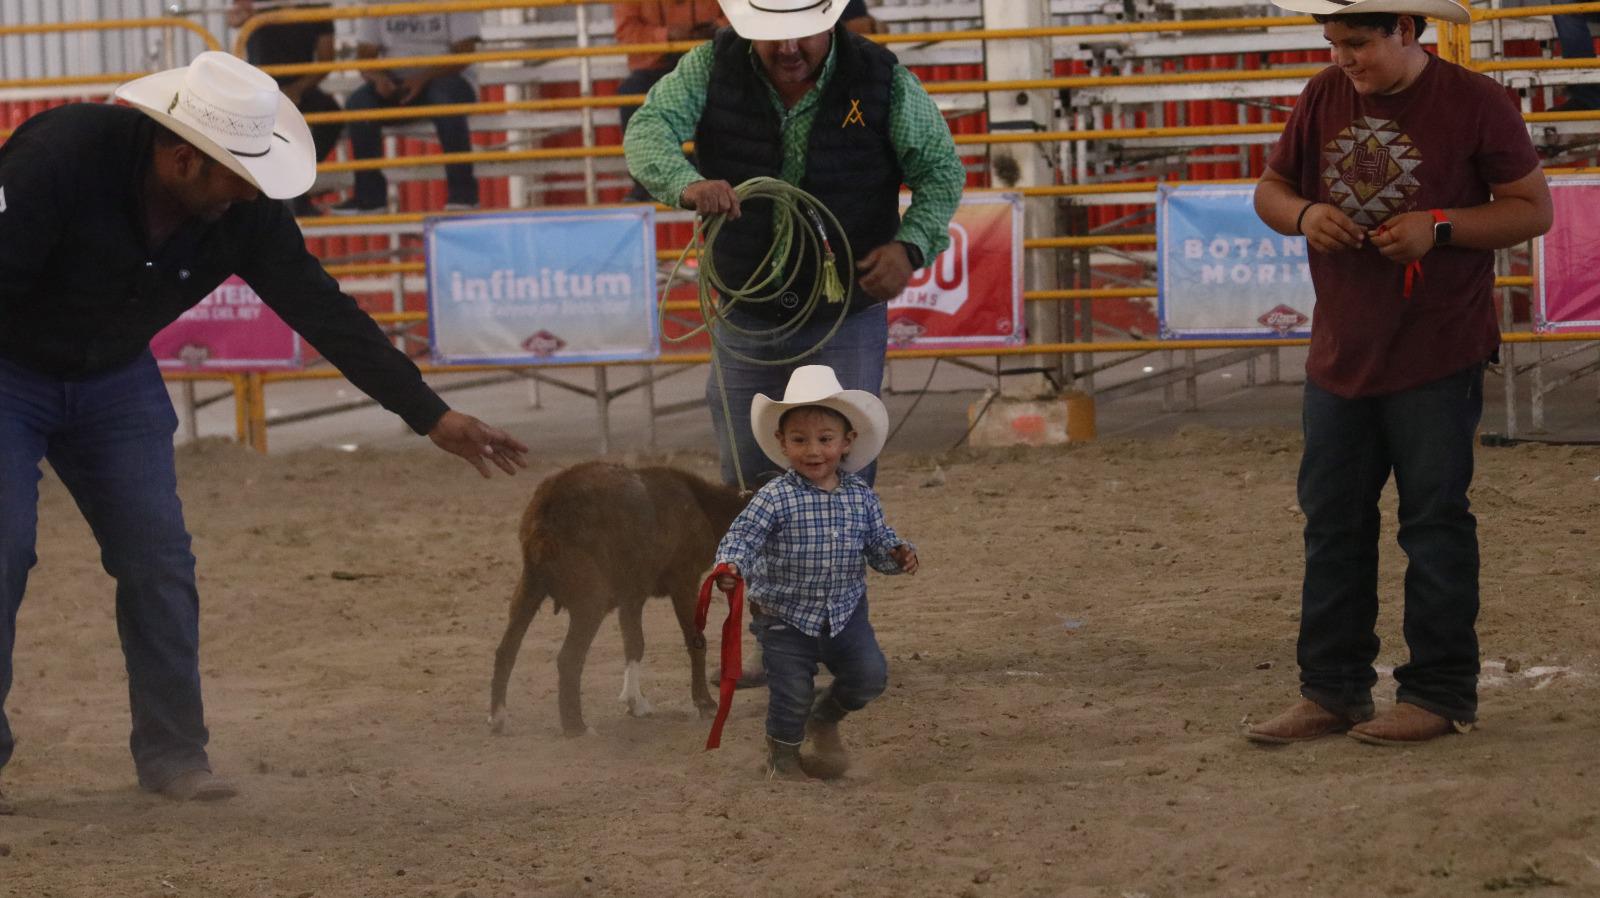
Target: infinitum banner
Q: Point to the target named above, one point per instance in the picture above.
(1566, 292)
(542, 287)
(1222, 272)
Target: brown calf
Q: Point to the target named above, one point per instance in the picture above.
(599, 536)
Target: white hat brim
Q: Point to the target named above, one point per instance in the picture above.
(868, 418)
(285, 171)
(1446, 10)
(758, 25)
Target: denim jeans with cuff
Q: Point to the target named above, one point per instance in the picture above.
(1425, 437)
(860, 672)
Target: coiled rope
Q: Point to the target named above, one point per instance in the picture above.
(798, 218)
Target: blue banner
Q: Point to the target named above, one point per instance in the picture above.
(1222, 272)
(543, 287)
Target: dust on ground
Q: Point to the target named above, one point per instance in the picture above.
(1070, 670)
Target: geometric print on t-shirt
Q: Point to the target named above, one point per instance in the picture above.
(1368, 170)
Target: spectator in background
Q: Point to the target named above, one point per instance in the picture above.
(1576, 43)
(289, 43)
(428, 34)
(856, 18)
(654, 22)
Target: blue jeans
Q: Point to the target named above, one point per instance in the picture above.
(1424, 435)
(1572, 31)
(855, 354)
(109, 439)
(366, 139)
(860, 672)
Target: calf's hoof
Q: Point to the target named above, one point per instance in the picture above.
(497, 722)
(639, 706)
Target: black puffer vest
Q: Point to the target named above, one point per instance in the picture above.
(851, 166)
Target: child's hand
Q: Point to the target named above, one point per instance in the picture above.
(906, 558)
(727, 582)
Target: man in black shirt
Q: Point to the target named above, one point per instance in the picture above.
(113, 222)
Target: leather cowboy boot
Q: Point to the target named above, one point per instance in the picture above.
(831, 760)
(783, 761)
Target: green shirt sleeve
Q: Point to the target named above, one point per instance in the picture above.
(928, 158)
(656, 133)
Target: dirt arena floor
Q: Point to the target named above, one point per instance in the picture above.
(1070, 672)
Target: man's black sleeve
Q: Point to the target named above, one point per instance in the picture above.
(293, 283)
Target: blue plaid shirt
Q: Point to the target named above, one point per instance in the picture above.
(803, 552)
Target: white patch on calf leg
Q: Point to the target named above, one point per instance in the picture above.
(637, 705)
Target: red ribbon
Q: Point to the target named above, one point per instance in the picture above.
(1413, 276)
(732, 662)
(1413, 269)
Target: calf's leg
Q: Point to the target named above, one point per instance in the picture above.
(582, 624)
(684, 599)
(524, 604)
(630, 616)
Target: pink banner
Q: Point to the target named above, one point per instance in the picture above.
(230, 330)
(971, 295)
(1566, 293)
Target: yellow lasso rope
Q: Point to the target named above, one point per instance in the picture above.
(796, 216)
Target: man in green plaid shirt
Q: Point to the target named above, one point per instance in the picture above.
(789, 93)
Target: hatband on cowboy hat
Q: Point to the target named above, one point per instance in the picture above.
(818, 385)
(233, 112)
(1447, 10)
(781, 20)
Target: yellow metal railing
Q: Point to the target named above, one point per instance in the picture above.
(1454, 43)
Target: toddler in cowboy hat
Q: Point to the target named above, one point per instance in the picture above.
(802, 545)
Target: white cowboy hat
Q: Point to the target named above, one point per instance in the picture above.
(1448, 10)
(818, 385)
(781, 20)
(234, 113)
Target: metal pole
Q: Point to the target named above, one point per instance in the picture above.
(1025, 165)
(650, 405)
(191, 414)
(586, 88)
(602, 403)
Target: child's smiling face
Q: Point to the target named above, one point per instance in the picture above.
(814, 440)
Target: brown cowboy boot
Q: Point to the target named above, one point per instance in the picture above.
(830, 760)
(1303, 721)
(1405, 724)
(783, 761)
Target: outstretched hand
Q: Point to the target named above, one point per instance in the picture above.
(478, 443)
(905, 557)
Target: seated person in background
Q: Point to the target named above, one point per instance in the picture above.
(426, 34)
(288, 43)
(1576, 43)
(653, 22)
(856, 18)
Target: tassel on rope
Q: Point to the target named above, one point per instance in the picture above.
(732, 661)
(831, 287)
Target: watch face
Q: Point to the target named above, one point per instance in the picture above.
(1441, 232)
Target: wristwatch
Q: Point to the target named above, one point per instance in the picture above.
(1443, 230)
(913, 254)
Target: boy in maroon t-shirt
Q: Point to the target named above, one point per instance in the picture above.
(1404, 172)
